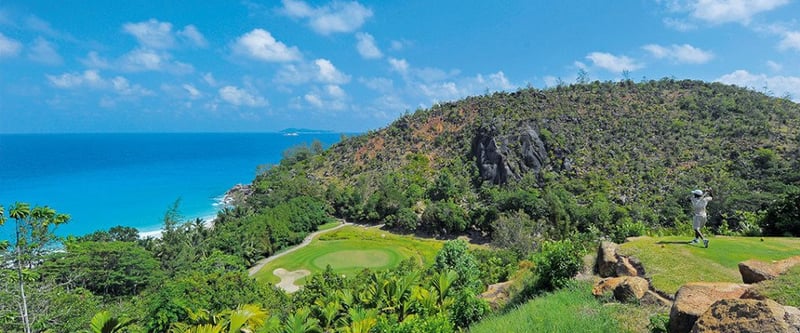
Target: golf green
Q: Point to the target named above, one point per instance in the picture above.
(379, 258)
(351, 249)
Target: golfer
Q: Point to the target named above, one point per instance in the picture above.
(700, 200)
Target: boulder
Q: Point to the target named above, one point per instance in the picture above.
(497, 294)
(637, 265)
(694, 298)
(631, 289)
(625, 268)
(653, 298)
(606, 265)
(755, 271)
(744, 315)
(792, 316)
(606, 285)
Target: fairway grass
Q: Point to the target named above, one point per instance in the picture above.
(671, 262)
(349, 250)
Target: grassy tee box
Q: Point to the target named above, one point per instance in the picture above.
(672, 262)
(351, 249)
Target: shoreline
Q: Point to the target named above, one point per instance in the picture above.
(208, 222)
(222, 201)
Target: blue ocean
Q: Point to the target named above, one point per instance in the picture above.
(105, 180)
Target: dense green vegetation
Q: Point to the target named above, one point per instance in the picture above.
(540, 175)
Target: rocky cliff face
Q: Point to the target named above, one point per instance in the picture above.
(501, 158)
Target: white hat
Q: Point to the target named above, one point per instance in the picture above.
(697, 192)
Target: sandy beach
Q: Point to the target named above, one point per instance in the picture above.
(208, 222)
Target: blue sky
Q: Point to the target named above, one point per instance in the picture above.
(222, 66)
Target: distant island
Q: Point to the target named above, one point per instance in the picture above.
(291, 131)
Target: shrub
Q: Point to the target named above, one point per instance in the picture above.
(628, 228)
(557, 263)
(468, 308)
(659, 323)
(783, 216)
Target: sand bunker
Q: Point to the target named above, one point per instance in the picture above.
(288, 278)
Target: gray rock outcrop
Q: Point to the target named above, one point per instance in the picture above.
(501, 158)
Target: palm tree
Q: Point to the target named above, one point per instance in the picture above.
(299, 322)
(104, 322)
(361, 320)
(329, 311)
(245, 318)
(20, 212)
(3, 244)
(442, 282)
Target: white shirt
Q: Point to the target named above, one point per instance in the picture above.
(699, 205)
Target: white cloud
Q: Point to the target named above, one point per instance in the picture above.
(44, 52)
(240, 97)
(260, 45)
(331, 97)
(724, 11)
(685, 53)
(452, 90)
(398, 45)
(791, 40)
(143, 60)
(93, 60)
(321, 71)
(123, 87)
(9, 47)
(779, 85)
(327, 73)
(335, 91)
(152, 33)
(551, 81)
(93, 80)
(314, 100)
(191, 34)
(612, 63)
(366, 46)
(378, 84)
(399, 65)
(89, 78)
(678, 24)
(193, 92)
(41, 26)
(332, 18)
(209, 79)
(774, 66)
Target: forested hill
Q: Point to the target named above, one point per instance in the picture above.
(580, 157)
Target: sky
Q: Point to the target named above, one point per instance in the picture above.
(351, 66)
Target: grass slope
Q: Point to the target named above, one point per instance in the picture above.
(671, 262)
(572, 309)
(351, 249)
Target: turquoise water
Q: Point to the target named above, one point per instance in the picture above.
(105, 180)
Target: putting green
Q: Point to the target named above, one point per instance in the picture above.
(379, 258)
(351, 249)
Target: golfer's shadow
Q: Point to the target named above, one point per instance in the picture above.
(674, 242)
